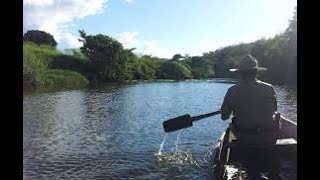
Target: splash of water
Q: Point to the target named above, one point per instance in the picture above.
(208, 156)
(177, 141)
(161, 145)
(177, 157)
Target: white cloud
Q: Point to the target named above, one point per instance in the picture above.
(128, 39)
(152, 48)
(38, 2)
(55, 16)
(146, 47)
(72, 40)
(129, 1)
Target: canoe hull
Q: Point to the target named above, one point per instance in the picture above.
(225, 153)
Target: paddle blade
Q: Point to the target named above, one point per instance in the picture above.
(177, 123)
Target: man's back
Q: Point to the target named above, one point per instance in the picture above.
(252, 104)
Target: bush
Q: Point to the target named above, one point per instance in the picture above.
(69, 62)
(174, 70)
(43, 52)
(40, 37)
(33, 65)
(61, 78)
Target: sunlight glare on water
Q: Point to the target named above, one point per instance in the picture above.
(115, 132)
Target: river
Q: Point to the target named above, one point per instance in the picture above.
(115, 131)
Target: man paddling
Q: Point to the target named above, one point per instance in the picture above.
(252, 104)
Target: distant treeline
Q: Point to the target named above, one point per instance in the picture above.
(104, 59)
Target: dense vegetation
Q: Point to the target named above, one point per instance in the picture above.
(38, 68)
(104, 59)
(40, 37)
(278, 54)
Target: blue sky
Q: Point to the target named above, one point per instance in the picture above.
(161, 27)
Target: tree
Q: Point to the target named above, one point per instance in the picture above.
(106, 55)
(201, 67)
(75, 52)
(174, 70)
(278, 54)
(40, 37)
(291, 32)
(177, 57)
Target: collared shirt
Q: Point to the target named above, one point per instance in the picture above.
(252, 104)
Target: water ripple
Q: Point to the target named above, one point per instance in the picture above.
(115, 132)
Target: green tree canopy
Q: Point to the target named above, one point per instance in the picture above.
(174, 70)
(40, 37)
(107, 57)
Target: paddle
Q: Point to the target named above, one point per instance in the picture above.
(184, 121)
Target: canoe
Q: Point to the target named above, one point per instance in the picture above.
(231, 161)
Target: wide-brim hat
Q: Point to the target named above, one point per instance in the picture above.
(248, 63)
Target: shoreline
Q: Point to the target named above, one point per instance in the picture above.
(48, 89)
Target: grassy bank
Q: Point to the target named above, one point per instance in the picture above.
(38, 70)
(61, 78)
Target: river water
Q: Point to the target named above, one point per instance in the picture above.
(115, 131)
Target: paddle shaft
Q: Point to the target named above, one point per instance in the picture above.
(197, 118)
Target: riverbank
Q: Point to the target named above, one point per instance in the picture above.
(39, 69)
(46, 67)
(70, 84)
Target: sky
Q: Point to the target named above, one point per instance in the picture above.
(160, 28)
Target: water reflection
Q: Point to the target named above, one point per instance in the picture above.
(114, 132)
(287, 101)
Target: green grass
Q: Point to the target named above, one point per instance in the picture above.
(33, 64)
(61, 78)
(43, 52)
(37, 72)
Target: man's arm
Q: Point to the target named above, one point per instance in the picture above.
(226, 107)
